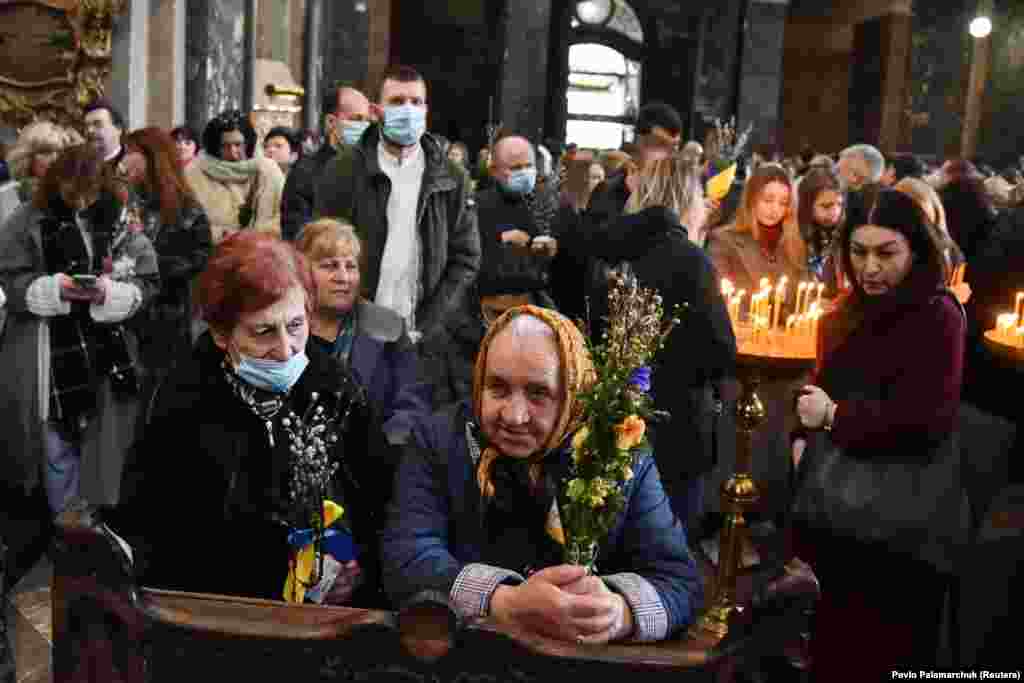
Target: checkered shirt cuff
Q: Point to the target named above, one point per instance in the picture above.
(471, 593)
(650, 618)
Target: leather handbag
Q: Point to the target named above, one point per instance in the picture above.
(911, 499)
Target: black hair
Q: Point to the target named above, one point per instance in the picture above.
(402, 74)
(185, 133)
(660, 115)
(901, 213)
(289, 134)
(225, 122)
(115, 116)
(907, 166)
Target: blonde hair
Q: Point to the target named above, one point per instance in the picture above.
(40, 136)
(673, 182)
(767, 173)
(328, 237)
(928, 200)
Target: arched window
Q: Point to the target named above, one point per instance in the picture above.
(604, 88)
(604, 83)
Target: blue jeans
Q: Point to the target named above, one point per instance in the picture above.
(63, 468)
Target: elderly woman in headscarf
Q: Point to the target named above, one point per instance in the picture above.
(477, 520)
(237, 186)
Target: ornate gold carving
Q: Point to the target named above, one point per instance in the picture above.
(95, 23)
(54, 57)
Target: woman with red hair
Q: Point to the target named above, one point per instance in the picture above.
(230, 446)
(163, 206)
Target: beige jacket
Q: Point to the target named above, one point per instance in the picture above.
(222, 200)
(738, 257)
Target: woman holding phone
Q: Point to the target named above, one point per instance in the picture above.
(73, 272)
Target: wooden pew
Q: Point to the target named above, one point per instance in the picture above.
(109, 630)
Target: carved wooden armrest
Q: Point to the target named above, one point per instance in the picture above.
(86, 547)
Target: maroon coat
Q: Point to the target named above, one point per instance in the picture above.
(912, 343)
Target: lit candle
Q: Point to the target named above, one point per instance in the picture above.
(790, 320)
(821, 288)
(1017, 306)
(1004, 327)
(800, 290)
(727, 288)
(780, 293)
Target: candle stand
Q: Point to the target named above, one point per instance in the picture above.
(740, 491)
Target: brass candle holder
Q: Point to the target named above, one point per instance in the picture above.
(740, 491)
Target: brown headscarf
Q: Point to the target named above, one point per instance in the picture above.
(577, 374)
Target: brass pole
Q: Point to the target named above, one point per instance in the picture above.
(738, 494)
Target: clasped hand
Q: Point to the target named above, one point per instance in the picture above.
(812, 407)
(563, 602)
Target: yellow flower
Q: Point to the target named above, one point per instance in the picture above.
(627, 473)
(630, 432)
(580, 438)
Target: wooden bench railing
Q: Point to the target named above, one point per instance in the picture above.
(108, 630)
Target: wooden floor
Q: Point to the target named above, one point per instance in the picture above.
(29, 614)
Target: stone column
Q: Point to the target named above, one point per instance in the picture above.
(524, 71)
(216, 64)
(345, 42)
(166, 79)
(880, 59)
(312, 66)
(129, 62)
(760, 88)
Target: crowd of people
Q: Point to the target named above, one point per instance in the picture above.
(179, 304)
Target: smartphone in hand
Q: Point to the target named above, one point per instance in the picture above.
(86, 281)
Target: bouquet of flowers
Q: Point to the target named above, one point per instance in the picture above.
(616, 410)
(312, 437)
(724, 150)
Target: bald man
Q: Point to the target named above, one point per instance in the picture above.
(515, 218)
(347, 115)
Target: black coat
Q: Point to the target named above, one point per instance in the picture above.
(299, 188)
(204, 496)
(505, 269)
(701, 350)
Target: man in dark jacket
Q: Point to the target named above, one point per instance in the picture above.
(346, 118)
(515, 219)
(411, 208)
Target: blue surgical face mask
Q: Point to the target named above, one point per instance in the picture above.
(352, 131)
(404, 124)
(521, 181)
(272, 375)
